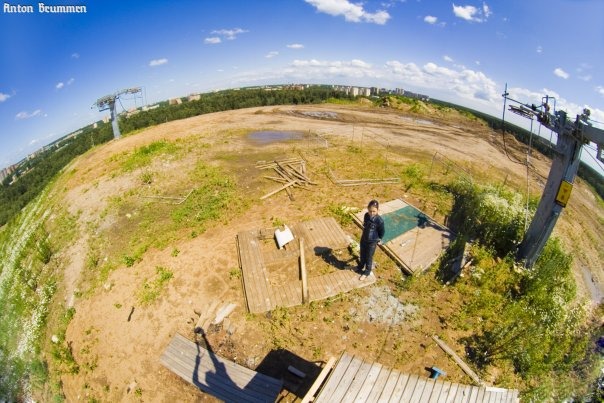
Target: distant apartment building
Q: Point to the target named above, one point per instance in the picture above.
(194, 97)
(7, 171)
(175, 101)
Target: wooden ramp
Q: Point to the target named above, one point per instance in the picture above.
(217, 376)
(318, 234)
(355, 380)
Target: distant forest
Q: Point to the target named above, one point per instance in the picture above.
(33, 175)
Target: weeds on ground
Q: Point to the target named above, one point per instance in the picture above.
(151, 289)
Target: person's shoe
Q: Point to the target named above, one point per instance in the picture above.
(363, 277)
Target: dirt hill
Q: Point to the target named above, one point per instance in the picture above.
(157, 214)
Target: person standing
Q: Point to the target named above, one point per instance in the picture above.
(373, 232)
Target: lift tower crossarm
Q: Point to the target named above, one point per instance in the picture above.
(567, 157)
(108, 102)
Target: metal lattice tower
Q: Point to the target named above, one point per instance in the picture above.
(108, 102)
(572, 135)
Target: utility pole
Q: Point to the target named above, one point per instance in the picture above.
(572, 135)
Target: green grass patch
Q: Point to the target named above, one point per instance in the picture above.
(143, 156)
(152, 288)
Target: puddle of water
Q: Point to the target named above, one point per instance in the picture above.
(273, 136)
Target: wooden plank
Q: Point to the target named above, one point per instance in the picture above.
(418, 391)
(247, 269)
(288, 184)
(480, 396)
(369, 383)
(319, 380)
(436, 391)
(389, 387)
(254, 273)
(428, 388)
(303, 273)
(473, 394)
(462, 394)
(409, 388)
(458, 360)
(216, 375)
(399, 388)
(253, 261)
(378, 385)
(334, 379)
(450, 398)
(347, 379)
(357, 383)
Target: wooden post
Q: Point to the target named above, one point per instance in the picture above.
(303, 273)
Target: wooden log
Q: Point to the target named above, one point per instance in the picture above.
(309, 397)
(278, 190)
(458, 360)
(303, 273)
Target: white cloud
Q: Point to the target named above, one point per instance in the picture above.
(271, 54)
(59, 85)
(586, 77)
(158, 62)
(229, 34)
(70, 81)
(486, 10)
(463, 82)
(600, 90)
(351, 12)
(75, 55)
(213, 40)
(4, 97)
(34, 141)
(471, 13)
(561, 73)
(295, 46)
(26, 115)
(430, 19)
(539, 49)
(447, 58)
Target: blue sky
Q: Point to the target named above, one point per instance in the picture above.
(54, 66)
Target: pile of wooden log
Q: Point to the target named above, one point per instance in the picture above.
(291, 172)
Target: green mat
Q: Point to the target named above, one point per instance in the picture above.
(400, 221)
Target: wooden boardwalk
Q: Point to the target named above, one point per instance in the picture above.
(217, 376)
(355, 380)
(319, 234)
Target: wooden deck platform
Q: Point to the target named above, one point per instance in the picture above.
(416, 249)
(355, 380)
(319, 234)
(217, 376)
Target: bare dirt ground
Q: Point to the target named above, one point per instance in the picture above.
(118, 342)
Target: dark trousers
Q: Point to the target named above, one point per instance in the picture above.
(367, 251)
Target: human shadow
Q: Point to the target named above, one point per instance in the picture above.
(329, 256)
(214, 378)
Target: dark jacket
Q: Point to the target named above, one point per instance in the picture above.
(373, 228)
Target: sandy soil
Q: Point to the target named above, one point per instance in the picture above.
(118, 342)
